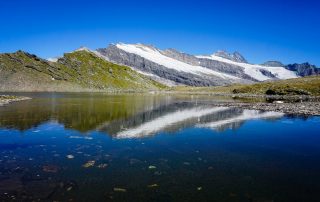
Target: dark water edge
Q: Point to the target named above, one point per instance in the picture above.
(84, 147)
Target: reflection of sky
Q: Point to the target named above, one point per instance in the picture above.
(299, 136)
(267, 149)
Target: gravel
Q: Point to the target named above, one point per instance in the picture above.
(299, 108)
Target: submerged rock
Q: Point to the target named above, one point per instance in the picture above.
(117, 189)
(153, 185)
(151, 167)
(50, 168)
(89, 164)
(103, 165)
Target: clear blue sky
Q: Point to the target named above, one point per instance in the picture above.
(288, 31)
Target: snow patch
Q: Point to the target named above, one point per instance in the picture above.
(254, 70)
(53, 59)
(154, 55)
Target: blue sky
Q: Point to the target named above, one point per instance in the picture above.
(283, 30)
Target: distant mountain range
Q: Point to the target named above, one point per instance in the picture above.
(136, 66)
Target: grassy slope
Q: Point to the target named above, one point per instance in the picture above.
(78, 71)
(21, 71)
(305, 85)
(94, 72)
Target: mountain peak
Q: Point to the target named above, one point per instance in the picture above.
(138, 45)
(273, 64)
(236, 56)
(83, 48)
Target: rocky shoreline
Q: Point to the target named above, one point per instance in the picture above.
(298, 108)
(6, 99)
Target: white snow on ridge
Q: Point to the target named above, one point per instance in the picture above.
(254, 70)
(156, 56)
(52, 59)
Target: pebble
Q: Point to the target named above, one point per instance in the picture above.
(117, 189)
(299, 108)
(152, 167)
(88, 164)
(103, 165)
(70, 156)
(153, 185)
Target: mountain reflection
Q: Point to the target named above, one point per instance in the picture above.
(126, 116)
(219, 118)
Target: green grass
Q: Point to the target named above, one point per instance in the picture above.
(94, 72)
(299, 86)
(76, 71)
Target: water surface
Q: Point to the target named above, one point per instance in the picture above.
(143, 147)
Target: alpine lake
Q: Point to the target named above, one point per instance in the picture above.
(154, 147)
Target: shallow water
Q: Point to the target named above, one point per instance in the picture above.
(137, 147)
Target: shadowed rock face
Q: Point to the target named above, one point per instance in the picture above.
(226, 68)
(304, 69)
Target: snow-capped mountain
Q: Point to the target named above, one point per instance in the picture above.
(236, 56)
(174, 67)
(258, 72)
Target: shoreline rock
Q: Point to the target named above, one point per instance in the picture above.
(246, 95)
(296, 108)
(7, 99)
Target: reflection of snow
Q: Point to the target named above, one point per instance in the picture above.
(246, 115)
(157, 124)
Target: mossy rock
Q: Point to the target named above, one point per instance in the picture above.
(287, 91)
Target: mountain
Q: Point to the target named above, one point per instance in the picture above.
(136, 67)
(173, 67)
(76, 71)
(304, 69)
(162, 66)
(236, 56)
(273, 64)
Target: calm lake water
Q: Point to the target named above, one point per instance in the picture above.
(99, 147)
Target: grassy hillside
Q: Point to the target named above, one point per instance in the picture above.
(77, 71)
(298, 86)
(94, 72)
